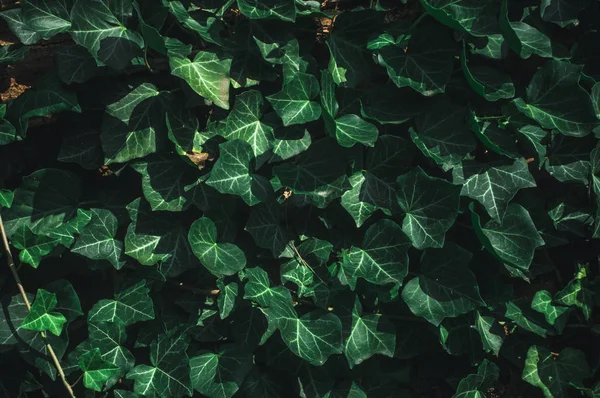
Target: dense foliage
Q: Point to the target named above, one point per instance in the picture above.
(269, 198)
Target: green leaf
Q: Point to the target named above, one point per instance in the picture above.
(382, 257)
(555, 315)
(266, 225)
(243, 123)
(19, 27)
(96, 370)
(562, 12)
(474, 17)
(442, 134)
(492, 334)
(556, 101)
(495, 187)
(97, 28)
(33, 247)
(162, 191)
(83, 148)
(351, 200)
(491, 47)
(220, 374)
(430, 205)
(390, 105)
(577, 293)
(97, 240)
(66, 233)
(133, 126)
(351, 129)
(45, 200)
(568, 159)
(9, 54)
(281, 9)
(207, 75)
(293, 103)
(227, 298)
(46, 17)
(6, 198)
(130, 305)
(205, 23)
(109, 338)
(369, 335)
(534, 136)
(498, 139)
(554, 374)
(445, 287)
(523, 38)
(427, 64)
(289, 142)
(169, 375)
(75, 64)
(488, 82)
(158, 237)
(231, 173)
(513, 240)
(476, 385)
(524, 317)
(221, 259)
(40, 318)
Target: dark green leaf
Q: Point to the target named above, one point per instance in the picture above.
(293, 103)
(97, 240)
(131, 305)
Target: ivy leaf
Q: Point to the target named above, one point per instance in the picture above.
(266, 226)
(568, 159)
(495, 187)
(369, 335)
(553, 375)
(473, 17)
(426, 65)
(442, 134)
(98, 29)
(351, 129)
(492, 334)
(132, 127)
(381, 104)
(220, 259)
(231, 173)
(351, 200)
(6, 198)
(95, 369)
(40, 318)
(33, 247)
(289, 142)
(169, 374)
(555, 315)
(243, 123)
(281, 9)
(130, 305)
(430, 205)
(158, 237)
(293, 103)
(445, 287)
(45, 200)
(19, 27)
(227, 298)
(577, 293)
(220, 374)
(488, 82)
(83, 148)
(109, 338)
(524, 317)
(383, 256)
(207, 75)
(523, 38)
(97, 240)
(476, 385)
(554, 86)
(561, 12)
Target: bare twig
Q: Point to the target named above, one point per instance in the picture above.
(13, 269)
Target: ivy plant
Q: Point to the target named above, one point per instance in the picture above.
(268, 198)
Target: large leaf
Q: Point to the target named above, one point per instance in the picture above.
(476, 385)
(556, 101)
(219, 258)
(282, 9)
(46, 17)
(231, 173)
(444, 288)
(133, 126)
(169, 374)
(207, 75)
(43, 202)
(553, 374)
(351, 129)
(293, 104)
(430, 205)
(130, 305)
(513, 240)
(109, 338)
(220, 374)
(523, 38)
(473, 16)
(97, 240)
(382, 257)
(495, 187)
(562, 12)
(40, 318)
(426, 65)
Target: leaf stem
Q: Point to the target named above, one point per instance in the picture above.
(13, 269)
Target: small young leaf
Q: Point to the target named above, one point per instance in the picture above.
(40, 318)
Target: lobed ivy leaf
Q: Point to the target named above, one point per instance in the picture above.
(130, 305)
(476, 385)
(40, 318)
(96, 370)
(109, 338)
(97, 240)
(281, 9)
(293, 104)
(523, 38)
(444, 288)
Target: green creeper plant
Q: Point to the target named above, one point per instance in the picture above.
(266, 198)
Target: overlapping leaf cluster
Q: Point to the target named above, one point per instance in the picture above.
(265, 198)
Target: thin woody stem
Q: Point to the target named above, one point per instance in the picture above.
(13, 269)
